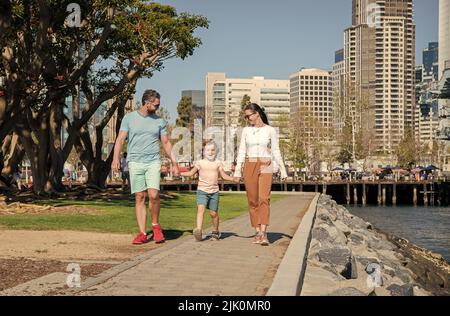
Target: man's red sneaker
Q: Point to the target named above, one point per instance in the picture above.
(140, 239)
(158, 236)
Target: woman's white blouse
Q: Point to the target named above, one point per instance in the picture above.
(259, 142)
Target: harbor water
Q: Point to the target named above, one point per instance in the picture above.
(427, 227)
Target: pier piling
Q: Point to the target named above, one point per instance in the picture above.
(415, 196)
(394, 194)
(364, 197)
(425, 195)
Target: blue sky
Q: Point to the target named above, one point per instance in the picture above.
(267, 38)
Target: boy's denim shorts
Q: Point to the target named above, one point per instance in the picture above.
(210, 200)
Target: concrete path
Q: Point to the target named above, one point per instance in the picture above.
(232, 266)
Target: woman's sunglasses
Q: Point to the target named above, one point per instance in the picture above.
(248, 116)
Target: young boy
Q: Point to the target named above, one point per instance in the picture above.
(208, 188)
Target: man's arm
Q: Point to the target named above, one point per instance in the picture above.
(169, 151)
(115, 165)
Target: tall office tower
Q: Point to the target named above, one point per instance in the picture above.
(224, 97)
(444, 36)
(312, 98)
(338, 91)
(379, 57)
(426, 116)
(430, 60)
(443, 133)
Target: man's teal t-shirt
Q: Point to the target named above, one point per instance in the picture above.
(144, 134)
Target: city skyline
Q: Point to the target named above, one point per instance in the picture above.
(301, 49)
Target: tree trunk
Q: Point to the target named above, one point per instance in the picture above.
(55, 145)
(98, 168)
(15, 151)
(37, 149)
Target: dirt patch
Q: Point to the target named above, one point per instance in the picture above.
(27, 255)
(20, 270)
(21, 208)
(69, 245)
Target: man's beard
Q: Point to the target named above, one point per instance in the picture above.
(150, 112)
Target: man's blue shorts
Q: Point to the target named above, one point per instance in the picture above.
(210, 200)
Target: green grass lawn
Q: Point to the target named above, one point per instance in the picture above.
(177, 215)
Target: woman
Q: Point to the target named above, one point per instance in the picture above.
(256, 157)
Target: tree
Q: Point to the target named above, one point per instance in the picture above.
(345, 142)
(353, 110)
(45, 61)
(297, 147)
(284, 126)
(244, 102)
(164, 114)
(407, 151)
(185, 117)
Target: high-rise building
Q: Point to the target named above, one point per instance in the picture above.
(198, 102)
(430, 57)
(419, 74)
(379, 56)
(427, 114)
(224, 98)
(444, 36)
(312, 98)
(443, 132)
(338, 91)
(444, 66)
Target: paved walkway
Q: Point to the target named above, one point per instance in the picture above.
(232, 266)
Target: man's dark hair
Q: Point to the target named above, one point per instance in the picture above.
(150, 95)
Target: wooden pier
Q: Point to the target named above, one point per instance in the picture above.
(427, 193)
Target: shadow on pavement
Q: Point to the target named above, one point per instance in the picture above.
(273, 237)
(170, 234)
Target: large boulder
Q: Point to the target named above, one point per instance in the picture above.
(320, 234)
(329, 233)
(356, 239)
(324, 217)
(347, 291)
(343, 228)
(378, 243)
(337, 256)
(401, 290)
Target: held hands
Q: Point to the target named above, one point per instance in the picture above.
(175, 170)
(115, 165)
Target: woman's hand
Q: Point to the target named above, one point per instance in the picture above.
(236, 179)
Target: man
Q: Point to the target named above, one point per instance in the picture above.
(145, 131)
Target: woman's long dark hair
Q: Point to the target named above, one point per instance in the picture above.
(256, 108)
